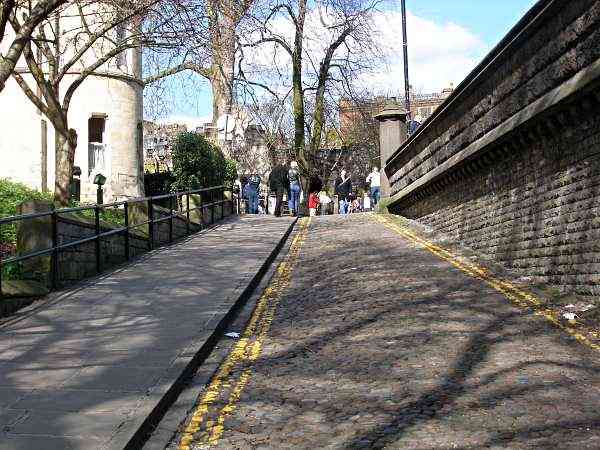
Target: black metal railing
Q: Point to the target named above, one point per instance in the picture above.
(160, 209)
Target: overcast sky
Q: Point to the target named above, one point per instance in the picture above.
(446, 39)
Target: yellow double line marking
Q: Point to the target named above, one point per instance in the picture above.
(246, 351)
(518, 296)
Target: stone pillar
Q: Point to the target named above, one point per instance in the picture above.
(35, 235)
(392, 134)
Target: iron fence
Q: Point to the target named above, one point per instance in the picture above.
(172, 206)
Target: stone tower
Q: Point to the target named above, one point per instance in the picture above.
(107, 114)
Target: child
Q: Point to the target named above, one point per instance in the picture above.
(313, 203)
(324, 200)
(366, 202)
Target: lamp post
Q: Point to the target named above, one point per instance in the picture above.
(405, 51)
(99, 180)
(75, 187)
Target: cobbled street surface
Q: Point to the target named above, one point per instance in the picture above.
(377, 343)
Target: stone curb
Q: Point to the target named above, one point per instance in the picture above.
(167, 430)
(134, 435)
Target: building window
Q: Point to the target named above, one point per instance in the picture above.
(96, 144)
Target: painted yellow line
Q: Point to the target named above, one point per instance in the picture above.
(516, 295)
(244, 352)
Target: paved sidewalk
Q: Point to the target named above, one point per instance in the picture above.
(378, 343)
(84, 372)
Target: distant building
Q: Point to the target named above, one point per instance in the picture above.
(421, 106)
(242, 140)
(158, 145)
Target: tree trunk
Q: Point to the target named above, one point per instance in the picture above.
(65, 143)
(223, 23)
(298, 93)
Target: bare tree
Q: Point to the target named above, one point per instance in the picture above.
(90, 38)
(216, 47)
(31, 14)
(327, 43)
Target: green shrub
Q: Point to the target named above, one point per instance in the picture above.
(382, 206)
(113, 216)
(192, 162)
(197, 163)
(11, 195)
(231, 173)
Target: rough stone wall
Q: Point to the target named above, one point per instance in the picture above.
(528, 198)
(79, 262)
(561, 44)
(535, 214)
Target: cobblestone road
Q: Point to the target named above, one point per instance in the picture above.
(378, 343)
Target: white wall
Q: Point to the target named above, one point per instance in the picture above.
(121, 101)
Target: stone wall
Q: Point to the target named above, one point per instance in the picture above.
(511, 163)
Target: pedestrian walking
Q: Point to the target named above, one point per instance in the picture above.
(343, 187)
(324, 201)
(294, 197)
(252, 189)
(313, 204)
(374, 179)
(279, 183)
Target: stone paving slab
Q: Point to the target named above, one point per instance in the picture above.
(84, 372)
(377, 343)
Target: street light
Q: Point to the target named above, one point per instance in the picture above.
(99, 180)
(406, 82)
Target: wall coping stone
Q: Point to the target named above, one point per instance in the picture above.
(528, 23)
(577, 83)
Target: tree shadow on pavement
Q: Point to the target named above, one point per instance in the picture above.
(392, 347)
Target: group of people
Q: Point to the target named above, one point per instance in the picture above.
(285, 179)
(349, 201)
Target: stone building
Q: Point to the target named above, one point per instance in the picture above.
(242, 140)
(158, 145)
(107, 115)
(422, 106)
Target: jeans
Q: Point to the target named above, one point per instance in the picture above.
(252, 200)
(294, 202)
(344, 204)
(375, 194)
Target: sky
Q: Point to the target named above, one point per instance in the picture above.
(446, 40)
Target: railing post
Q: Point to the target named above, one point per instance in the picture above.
(150, 224)
(187, 213)
(98, 256)
(54, 255)
(212, 206)
(171, 219)
(127, 252)
(201, 194)
(222, 202)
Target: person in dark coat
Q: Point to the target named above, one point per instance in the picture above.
(253, 192)
(279, 183)
(343, 188)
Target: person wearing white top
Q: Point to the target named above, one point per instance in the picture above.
(366, 202)
(324, 201)
(374, 179)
